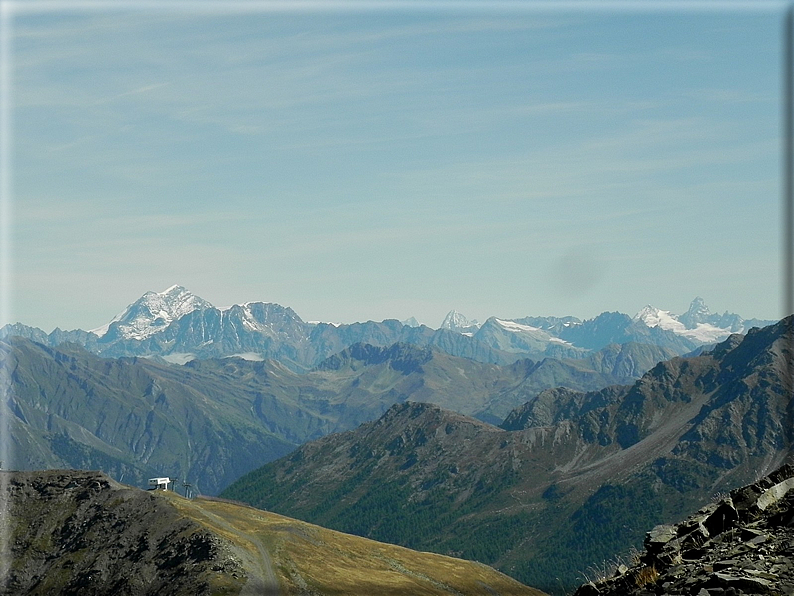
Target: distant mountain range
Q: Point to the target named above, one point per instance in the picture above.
(569, 479)
(178, 326)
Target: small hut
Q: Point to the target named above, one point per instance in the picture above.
(159, 483)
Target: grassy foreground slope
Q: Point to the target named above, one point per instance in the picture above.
(75, 532)
(309, 559)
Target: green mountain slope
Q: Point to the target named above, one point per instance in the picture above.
(131, 418)
(571, 479)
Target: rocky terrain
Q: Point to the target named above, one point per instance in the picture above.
(570, 477)
(70, 532)
(740, 544)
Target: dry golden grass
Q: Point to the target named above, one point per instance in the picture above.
(646, 575)
(305, 556)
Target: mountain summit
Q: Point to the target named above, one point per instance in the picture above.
(103, 537)
(454, 321)
(697, 324)
(698, 313)
(151, 313)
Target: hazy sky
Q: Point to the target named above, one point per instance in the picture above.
(386, 163)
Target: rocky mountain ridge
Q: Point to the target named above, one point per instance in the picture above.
(72, 532)
(210, 421)
(75, 532)
(178, 326)
(698, 325)
(534, 497)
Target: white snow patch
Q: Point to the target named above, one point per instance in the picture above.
(250, 321)
(250, 356)
(707, 333)
(513, 326)
(179, 357)
(100, 331)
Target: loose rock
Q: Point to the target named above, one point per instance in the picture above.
(744, 544)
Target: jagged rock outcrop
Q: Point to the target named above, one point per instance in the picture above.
(740, 544)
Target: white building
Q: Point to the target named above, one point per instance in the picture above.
(159, 483)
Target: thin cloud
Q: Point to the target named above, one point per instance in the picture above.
(138, 91)
(730, 96)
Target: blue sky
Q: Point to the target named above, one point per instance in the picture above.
(370, 164)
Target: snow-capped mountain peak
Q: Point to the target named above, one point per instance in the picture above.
(411, 322)
(698, 313)
(454, 321)
(699, 305)
(696, 324)
(656, 317)
(153, 312)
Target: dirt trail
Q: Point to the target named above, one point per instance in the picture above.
(262, 580)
